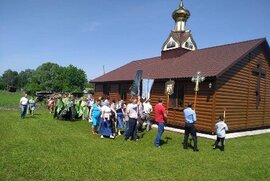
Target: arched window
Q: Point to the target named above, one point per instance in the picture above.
(171, 44)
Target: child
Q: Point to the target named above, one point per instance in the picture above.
(221, 128)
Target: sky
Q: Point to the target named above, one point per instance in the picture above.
(90, 34)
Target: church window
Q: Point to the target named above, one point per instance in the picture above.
(189, 45)
(177, 98)
(171, 44)
(123, 91)
(106, 90)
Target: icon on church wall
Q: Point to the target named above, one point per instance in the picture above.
(169, 87)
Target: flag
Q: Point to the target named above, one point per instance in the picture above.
(137, 83)
(146, 88)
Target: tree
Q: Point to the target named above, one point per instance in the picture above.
(24, 77)
(2, 86)
(74, 79)
(43, 77)
(47, 77)
(10, 78)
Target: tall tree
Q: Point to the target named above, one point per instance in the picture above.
(10, 78)
(74, 79)
(44, 76)
(25, 77)
(2, 86)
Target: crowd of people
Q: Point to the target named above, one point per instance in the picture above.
(69, 107)
(113, 118)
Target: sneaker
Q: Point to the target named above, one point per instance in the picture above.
(101, 137)
(196, 150)
(112, 137)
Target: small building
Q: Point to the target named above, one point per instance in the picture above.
(237, 79)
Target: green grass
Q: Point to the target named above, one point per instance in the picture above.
(9, 99)
(41, 148)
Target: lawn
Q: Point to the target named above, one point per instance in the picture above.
(41, 148)
(9, 99)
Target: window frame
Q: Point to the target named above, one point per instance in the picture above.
(178, 95)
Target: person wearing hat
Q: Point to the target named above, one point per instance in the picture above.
(190, 120)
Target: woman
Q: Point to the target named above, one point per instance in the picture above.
(120, 115)
(51, 104)
(105, 127)
(113, 117)
(95, 113)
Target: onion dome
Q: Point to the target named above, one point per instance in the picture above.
(181, 14)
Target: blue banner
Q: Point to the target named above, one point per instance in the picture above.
(146, 88)
(136, 86)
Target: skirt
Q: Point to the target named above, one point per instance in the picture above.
(120, 117)
(105, 128)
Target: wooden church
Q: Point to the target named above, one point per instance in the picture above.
(237, 79)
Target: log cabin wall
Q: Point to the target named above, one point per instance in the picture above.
(114, 92)
(236, 91)
(266, 90)
(204, 104)
(175, 115)
(98, 91)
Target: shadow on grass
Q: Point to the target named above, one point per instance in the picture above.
(163, 142)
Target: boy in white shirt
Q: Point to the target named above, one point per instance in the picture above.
(221, 128)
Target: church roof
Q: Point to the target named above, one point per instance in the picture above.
(211, 62)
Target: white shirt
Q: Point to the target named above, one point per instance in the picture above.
(221, 128)
(24, 101)
(132, 110)
(147, 107)
(106, 111)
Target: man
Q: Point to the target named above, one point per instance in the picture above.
(190, 120)
(147, 110)
(132, 113)
(23, 104)
(160, 118)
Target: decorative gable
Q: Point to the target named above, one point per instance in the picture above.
(170, 44)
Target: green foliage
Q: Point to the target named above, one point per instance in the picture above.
(24, 77)
(44, 76)
(2, 85)
(10, 78)
(47, 77)
(41, 148)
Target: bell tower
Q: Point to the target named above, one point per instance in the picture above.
(180, 38)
